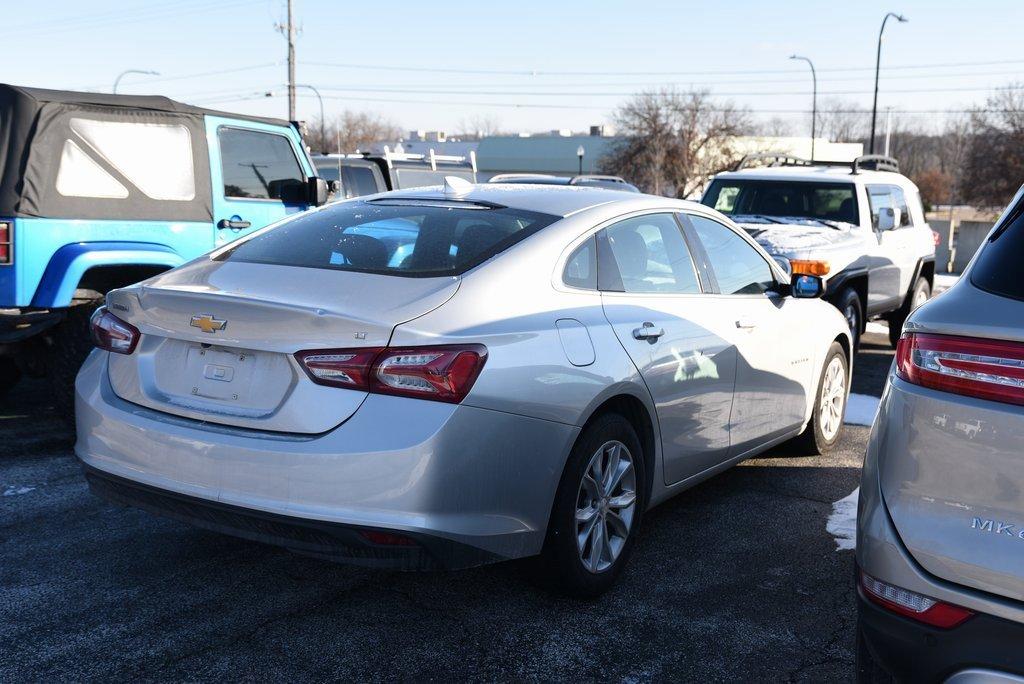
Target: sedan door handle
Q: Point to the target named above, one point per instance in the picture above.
(233, 224)
(746, 324)
(648, 332)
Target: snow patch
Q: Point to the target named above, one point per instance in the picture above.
(15, 490)
(861, 409)
(842, 524)
(944, 281)
(876, 327)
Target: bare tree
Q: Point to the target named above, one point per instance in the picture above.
(672, 142)
(842, 121)
(994, 163)
(775, 127)
(479, 126)
(350, 131)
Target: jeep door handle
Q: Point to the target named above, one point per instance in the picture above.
(233, 225)
(746, 324)
(647, 332)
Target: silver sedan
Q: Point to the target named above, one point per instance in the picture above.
(458, 375)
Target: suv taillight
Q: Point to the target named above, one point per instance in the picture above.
(111, 333)
(912, 605)
(987, 369)
(6, 243)
(439, 373)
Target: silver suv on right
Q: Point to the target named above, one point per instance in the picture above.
(940, 525)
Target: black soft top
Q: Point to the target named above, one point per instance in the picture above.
(34, 127)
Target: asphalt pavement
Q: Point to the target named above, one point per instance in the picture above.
(736, 579)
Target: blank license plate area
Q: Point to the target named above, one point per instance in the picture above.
(239, 378)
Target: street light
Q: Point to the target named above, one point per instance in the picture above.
(579, 155)
(323, 131)
(878, 61)
(814, 100)
(132, 71)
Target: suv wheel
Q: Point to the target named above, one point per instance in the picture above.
(921, 293)
(826, 424)
(597, 510)
(868, 669)
(849, 305)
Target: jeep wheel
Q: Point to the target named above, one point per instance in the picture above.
(921, 293)
(849, 305)
(9, 375)
(71, 344)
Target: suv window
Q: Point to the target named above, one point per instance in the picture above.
(391, 238)
(880, 196)
(581, 268)
(651, 256)
(737, 266)
(997, 268)
(821, 201)
(258, 165)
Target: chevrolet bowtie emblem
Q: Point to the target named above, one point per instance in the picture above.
(207, 323)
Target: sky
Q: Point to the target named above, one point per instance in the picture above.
(521, 66)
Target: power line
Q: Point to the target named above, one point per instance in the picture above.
(540, 72)
(122, 17)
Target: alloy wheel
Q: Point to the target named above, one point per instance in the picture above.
(605, 506)
(833, 397)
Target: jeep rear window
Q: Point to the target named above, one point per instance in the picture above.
(396, 237)
(998, 267)
(797, 199)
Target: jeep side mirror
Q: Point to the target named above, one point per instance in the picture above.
(807, 286)
(317, 191)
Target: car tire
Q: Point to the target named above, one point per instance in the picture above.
(826, 423)
(71, 343)
(9, 375)
(921, 293)
(867, 668)
(850, 306)
(588, 569)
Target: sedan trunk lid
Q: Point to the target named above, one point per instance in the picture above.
(218, 339)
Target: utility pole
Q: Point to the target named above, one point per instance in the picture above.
(291, 63)
(814, 101)
(289, 33)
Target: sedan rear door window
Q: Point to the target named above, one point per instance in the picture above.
(737, 266)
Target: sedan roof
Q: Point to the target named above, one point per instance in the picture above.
(557, 200)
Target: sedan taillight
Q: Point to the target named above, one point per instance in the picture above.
(440, 373)
(987, 369)
(111, 333)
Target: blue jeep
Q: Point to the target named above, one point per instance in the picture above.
(101, 191)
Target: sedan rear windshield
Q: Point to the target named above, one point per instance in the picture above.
(783, 199)
(396, 237)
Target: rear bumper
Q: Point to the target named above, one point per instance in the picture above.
(914, 652)
(470, 485)
(333, 541)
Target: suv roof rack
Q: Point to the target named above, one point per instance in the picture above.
(430, 157)
(771, 159)
(865, 162)
(875, 162)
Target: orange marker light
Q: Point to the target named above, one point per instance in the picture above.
(807, 267)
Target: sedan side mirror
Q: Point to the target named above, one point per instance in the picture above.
(807, 286)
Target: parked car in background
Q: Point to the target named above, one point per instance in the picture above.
(940, 528)
(366, 174)
(100, 191)
(860, 225)
(588, 180)
(537, 369)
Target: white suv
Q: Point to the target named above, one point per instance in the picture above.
(859, 224)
